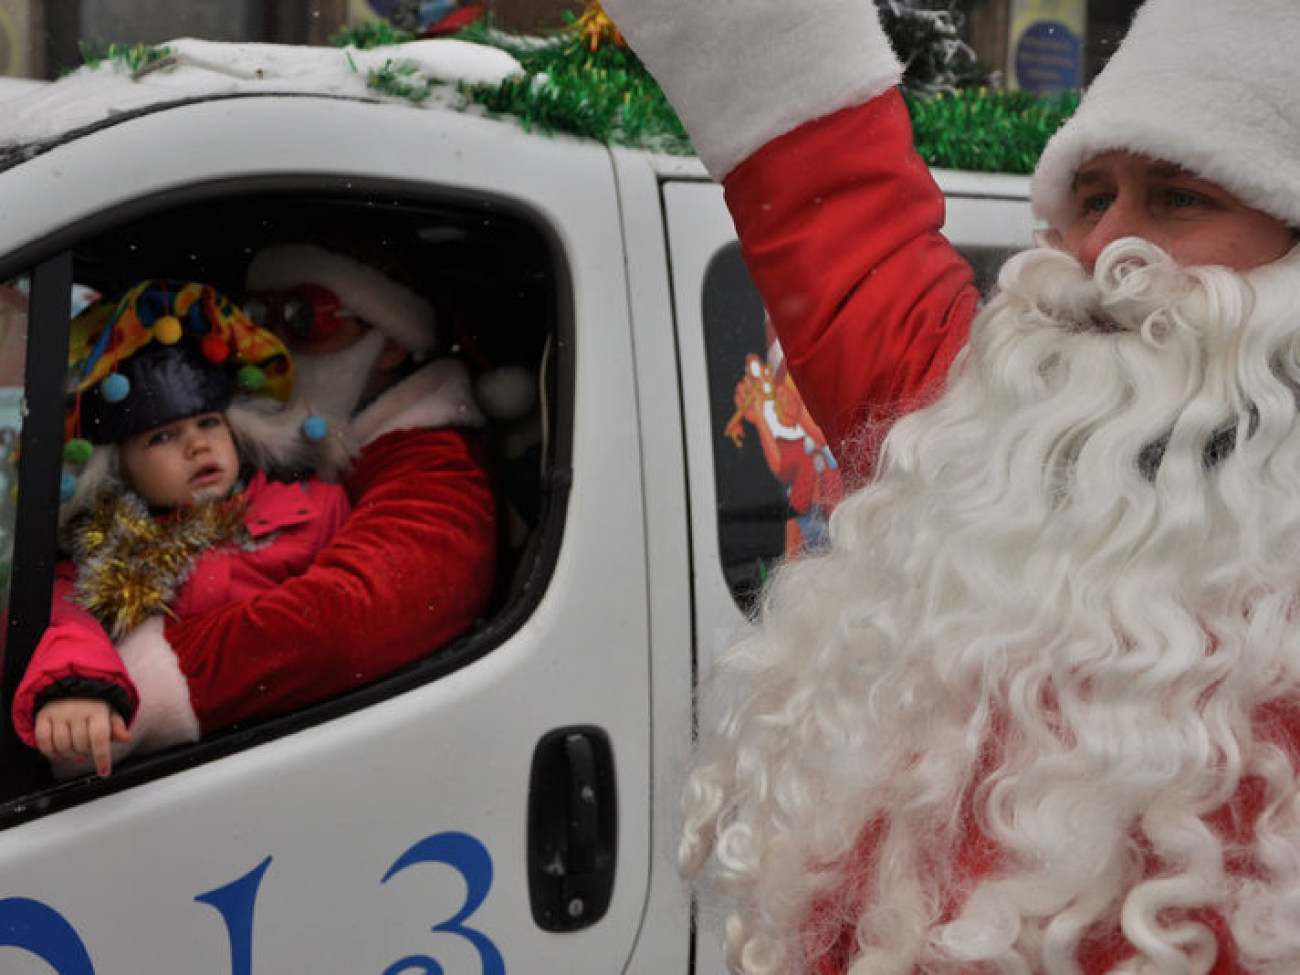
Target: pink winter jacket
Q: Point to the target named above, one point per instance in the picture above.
(289, 525)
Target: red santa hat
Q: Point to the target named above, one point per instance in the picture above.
(378, 299)
(504, 392)
(1209, 85)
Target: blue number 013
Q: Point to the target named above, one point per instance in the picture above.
(470, 858)
(31, 925)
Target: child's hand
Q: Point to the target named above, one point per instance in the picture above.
(80, 728)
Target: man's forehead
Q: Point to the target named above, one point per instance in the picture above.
(1107, 164)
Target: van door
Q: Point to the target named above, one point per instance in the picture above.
(736, 535)
(762, 482)
(490, 814)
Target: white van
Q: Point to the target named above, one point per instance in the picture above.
(426, 823)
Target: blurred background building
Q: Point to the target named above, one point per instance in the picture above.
(1039, 45)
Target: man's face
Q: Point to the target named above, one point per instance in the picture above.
(183, 462)
(1120, 194)
(340, 359)
(311, 320)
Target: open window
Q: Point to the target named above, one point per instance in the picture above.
(497, 284)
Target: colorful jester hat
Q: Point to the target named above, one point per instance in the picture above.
(165, 351)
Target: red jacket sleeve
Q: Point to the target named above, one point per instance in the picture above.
(412, 568)
(839, 222)
(73, 652)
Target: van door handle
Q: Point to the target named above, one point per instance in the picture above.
(572, 828)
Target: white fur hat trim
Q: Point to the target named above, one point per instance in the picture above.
(434, 396)
(394, 309)
(742, 72)
(1212, 86)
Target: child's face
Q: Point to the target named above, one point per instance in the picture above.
(182, 462)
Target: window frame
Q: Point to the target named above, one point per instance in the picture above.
(23, 794)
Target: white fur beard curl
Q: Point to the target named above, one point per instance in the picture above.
(1056, 614)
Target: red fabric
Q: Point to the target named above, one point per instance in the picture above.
(412, 568)
(304, 516)
(456, 21)
(839, 223)
(73, 645)
(977, 857)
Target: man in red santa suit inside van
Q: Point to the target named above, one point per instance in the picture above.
(1037, 709)
(413, 566)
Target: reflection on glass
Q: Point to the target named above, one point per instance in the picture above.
(13, 353)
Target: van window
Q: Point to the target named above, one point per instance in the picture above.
(776, 480)
(494, 279)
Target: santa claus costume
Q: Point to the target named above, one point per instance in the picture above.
(410, 570)
(1036, 710)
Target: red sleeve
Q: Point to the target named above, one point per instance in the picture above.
(840, 223)
(332, 500)
(73, 650)
(411, 569)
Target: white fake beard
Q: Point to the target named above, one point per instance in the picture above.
(1060, 604)
(333, 384)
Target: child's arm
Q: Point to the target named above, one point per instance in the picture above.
(74, 660)
(78, 728)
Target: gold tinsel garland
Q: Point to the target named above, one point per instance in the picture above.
(595, 28)
(131, 564)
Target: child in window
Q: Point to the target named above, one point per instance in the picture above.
(190, 497)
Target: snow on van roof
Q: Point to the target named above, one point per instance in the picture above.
(202, 69)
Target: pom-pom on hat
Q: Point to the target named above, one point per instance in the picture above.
(1209, 85)
(165, 351)
(366, 292)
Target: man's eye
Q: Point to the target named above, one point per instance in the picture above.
(1180, 199)
(1095, 204)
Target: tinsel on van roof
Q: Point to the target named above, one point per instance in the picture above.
(583, 79)
(580, 79)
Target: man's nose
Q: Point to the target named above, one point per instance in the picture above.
(1120, 219)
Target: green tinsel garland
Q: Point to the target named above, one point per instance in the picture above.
(374, 33)
(986, 131)
(605, 94)
(608, 95)
(131, 57)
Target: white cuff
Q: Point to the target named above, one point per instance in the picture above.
(437, 395)
(742, 72)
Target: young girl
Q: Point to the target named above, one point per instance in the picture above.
(182, 505)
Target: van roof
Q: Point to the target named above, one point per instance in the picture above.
(39, 114)
(193, 69)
